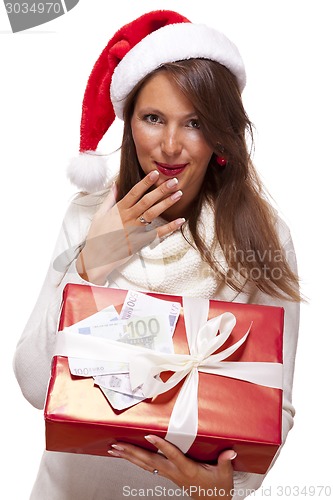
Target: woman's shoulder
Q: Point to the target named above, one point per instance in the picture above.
(86, 204)
(281, 226)
(89, 200)
(80, 212)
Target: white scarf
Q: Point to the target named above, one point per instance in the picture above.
(172, 266)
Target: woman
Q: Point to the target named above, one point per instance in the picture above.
(186, 215)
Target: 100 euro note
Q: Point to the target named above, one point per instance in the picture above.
(137, 304)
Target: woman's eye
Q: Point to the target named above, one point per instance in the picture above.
(152, 118)
(194, 123)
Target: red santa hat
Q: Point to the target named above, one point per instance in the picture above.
(133, 52)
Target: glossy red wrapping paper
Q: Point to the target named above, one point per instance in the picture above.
(232, 413)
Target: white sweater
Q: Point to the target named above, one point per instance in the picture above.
(65, 476)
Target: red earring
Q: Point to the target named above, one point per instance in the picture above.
(221, 161)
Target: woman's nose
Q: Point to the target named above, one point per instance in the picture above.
(171, 141)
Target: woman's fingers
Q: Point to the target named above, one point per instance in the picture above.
(140, 203)
(152, 211)
(133, 457)
(226, 456)
(170, 451)
(137, 191)
(116, 231)
(110, 200)
(168, 463)
(145, 459)
(158, 200)
(132, 197)
(152, 203)
(174, 465)
(169, 228)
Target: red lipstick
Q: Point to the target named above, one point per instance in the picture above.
(170, 170)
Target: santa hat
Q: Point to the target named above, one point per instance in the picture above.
(133, 52)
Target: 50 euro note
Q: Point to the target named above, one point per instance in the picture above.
(151, 332)
(120, 401)
(91, 367)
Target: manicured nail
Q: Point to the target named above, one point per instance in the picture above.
(114, 453)
(151, 439)
(172, 182)
(117, 447)
(176, 195)
(180, 222)
(233, 456)
(153, 175)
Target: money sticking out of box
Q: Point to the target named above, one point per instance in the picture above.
(135, 326)
(242, 412)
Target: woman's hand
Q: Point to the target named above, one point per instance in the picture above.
(116, 232)
(193, 476)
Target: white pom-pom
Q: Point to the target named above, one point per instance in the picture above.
(88, 171)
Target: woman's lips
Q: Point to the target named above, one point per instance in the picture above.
(170, 170)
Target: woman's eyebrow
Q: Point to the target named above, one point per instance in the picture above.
(155, 111)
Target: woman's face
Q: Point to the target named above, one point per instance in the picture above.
(167, 137)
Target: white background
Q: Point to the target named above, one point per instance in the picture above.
(287, 49)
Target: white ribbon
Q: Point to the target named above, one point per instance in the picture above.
(145, 365)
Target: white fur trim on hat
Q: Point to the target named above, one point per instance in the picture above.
(88, 171)
(175, 42)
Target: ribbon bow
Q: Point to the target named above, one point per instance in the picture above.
(203, 341)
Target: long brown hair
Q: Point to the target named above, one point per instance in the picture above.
(244, 220)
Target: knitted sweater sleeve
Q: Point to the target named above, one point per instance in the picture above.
(245, 483)
(34, 351)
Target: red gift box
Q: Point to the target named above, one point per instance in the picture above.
(232, 414)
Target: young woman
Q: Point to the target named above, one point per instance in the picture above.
(186, 215)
